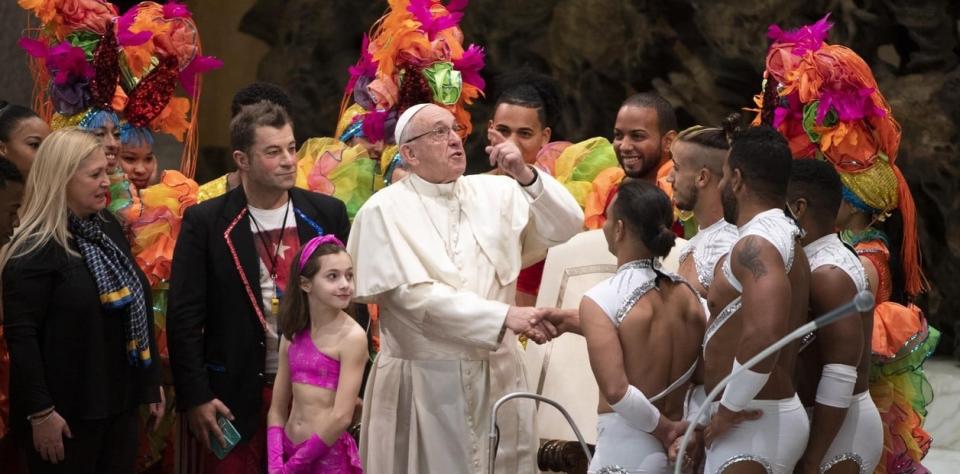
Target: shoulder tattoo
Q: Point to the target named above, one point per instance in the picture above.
(749, 257)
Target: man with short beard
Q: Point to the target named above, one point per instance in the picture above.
(645, 127)
(698, 154)
(760, 296)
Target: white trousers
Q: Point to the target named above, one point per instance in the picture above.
(776, 440)
(860, 437)
(622, 448)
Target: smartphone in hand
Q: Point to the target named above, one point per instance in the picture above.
(229, 433)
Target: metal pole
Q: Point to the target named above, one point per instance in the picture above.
(493, 437)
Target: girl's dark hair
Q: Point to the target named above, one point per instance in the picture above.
(646, 210)
(294, 311)
(10, 116)
(534, 91)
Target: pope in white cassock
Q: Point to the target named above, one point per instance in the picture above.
(440, 253)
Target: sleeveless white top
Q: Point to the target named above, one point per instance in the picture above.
(707, 247)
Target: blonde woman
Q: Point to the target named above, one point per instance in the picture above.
(77, 318)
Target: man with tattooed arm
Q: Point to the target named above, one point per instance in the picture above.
(759, 294)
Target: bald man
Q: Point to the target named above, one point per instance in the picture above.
(440, 253)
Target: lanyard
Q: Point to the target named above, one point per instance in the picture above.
(275, 258)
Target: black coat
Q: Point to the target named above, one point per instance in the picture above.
(216, 340)
(64, 349)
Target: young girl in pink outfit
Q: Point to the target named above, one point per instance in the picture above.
(322, 355)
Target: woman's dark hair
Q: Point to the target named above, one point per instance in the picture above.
(534, 91)
(294, 311)
(10, 116)
(646, 210)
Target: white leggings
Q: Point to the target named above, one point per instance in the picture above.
(860, 437)
(776, 440)
(619, 445)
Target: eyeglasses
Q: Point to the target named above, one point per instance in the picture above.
(440, 133)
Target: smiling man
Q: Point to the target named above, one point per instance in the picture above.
(440, 253)
(645, 128)
(229, 272)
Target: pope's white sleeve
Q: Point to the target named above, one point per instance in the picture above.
(553, 210)
(450, 313)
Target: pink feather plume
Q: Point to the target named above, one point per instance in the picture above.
(470, 65)
(806, 38)
(199, 65)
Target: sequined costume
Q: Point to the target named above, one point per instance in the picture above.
(311, 456)
(707, 247)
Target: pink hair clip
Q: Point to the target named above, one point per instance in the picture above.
(315, 242)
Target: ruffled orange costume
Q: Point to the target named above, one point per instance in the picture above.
(901, 342)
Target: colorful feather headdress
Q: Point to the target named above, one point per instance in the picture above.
(74, 61)
(414, 55)
(161, 48)
(824, 99)
(92, 64)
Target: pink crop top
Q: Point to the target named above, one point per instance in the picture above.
(310, 366)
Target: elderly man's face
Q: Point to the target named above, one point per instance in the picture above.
(436, 152)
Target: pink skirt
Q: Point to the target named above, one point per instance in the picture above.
(341, 458)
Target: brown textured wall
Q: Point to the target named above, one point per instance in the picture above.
(218, 22)
(15, 82)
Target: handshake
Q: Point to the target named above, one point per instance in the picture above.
(540, 325)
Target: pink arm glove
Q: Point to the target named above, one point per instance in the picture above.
(275, 450)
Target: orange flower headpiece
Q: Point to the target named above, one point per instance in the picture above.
(824, 99)
(414, 55)
(161, 48)
(73, 60)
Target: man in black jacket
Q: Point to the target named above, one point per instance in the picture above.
(229, 271)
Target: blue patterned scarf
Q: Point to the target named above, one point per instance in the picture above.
(116, 278)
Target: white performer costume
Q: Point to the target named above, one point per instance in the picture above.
(707, 247)
(442, 261)
(621, 446)
(778, 438)
(861, 436)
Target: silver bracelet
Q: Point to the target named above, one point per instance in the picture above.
(42, 418)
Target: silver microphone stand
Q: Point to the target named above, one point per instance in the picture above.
(493, 436)
(861, 303)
